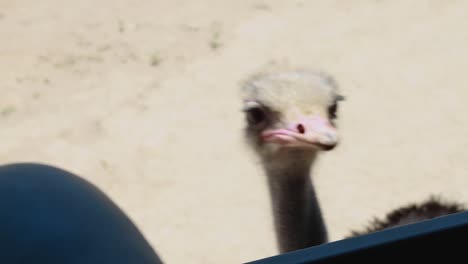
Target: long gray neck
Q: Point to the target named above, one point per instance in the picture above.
(297, 216)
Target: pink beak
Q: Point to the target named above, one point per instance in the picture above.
(316, 132)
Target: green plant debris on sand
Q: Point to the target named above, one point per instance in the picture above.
(215, 42)
(155, 60)
(8, 111)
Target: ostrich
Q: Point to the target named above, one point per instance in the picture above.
(412, 213)
(290, 119)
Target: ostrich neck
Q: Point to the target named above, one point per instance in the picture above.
(297, 216)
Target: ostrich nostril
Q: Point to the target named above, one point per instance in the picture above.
(301, 128)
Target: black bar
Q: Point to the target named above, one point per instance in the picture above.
(443, 238)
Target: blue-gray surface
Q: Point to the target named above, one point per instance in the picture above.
(51, 216)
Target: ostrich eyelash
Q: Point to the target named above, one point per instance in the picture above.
(250, 104)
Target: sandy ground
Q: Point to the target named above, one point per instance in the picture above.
(142, 99)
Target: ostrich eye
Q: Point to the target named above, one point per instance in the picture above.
(255, 116)
(332, 111)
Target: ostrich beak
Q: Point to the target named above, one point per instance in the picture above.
(316, 132)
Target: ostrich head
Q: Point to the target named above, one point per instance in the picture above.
(291, 115)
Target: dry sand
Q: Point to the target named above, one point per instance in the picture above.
(142, 99)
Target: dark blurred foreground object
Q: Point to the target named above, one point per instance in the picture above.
(439, 240)
(50, 216)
